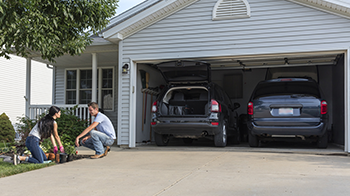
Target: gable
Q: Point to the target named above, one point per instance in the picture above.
(152, 11)
(274, 27)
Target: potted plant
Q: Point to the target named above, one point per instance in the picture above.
(70, 151)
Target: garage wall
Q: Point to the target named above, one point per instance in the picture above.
(250, 80)
(275, 26)
(338, 103)
(143, 127)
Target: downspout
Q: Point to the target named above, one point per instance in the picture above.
(94, 78)
(28, 84)
(53, 82)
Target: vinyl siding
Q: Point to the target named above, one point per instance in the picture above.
(13, 86)
(274, 26)
(124, 101)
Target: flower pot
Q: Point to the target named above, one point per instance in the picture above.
(57, 158)
(70, 157)
(51, 156)
(63, 157)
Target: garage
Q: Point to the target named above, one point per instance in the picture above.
(241, 39)
(238, 76)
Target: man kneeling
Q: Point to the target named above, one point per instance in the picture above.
(100, 139)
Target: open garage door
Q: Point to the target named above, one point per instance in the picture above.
(238, 75)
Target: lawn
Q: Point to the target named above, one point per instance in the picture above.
(8, 169)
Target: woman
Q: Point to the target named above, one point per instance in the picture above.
(46, 127)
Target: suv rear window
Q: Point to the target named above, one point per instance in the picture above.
(286, 88)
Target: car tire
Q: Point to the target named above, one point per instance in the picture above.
(161, 139)
(220, 139)
(253, 140)
(188, 141)
(323, 141)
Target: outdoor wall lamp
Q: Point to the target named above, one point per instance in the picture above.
(125, 68)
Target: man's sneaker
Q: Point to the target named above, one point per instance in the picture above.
(15, 159)
(107, 150)
(97, 156)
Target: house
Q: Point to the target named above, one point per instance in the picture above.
(240, 38)
(13, 86)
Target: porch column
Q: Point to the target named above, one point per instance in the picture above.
(347, 100)
(28, 83)
(132, 115)
(94, 78)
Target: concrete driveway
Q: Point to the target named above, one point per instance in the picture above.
(175, 170)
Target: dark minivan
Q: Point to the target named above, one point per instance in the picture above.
(287, 108)
(191, 106)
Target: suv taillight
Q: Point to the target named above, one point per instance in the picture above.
(323, 107)
(215, 106)
(154, 107)
(250, 108)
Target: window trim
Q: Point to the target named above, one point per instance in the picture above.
(98, 87)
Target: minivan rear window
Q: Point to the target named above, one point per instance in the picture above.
(286, 88)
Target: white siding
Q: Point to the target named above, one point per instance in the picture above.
(124, 105)
(275, 26)
(13, 86)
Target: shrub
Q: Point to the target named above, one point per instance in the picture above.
(7, 132)
(24, 126)
(70, 126)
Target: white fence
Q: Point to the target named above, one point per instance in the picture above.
(82, 112)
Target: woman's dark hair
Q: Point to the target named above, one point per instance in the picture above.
(45, 124)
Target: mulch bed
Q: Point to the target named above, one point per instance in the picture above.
(75, 157)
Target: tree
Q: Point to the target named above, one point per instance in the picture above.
(7, 132)
(51, 27)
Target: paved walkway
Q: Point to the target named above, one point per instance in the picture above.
(175, 170)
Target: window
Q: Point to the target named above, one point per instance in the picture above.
(71, 87)
(79, 87)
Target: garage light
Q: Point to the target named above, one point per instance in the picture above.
(125, 68)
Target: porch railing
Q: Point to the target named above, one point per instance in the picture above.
(81, 111)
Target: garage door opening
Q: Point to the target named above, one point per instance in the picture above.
(239, 76)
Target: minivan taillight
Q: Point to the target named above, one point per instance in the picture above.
(215, 106)
(250, 108)
(154, 107)
(323, 107)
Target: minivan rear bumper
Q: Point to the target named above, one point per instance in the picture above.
(317, 130)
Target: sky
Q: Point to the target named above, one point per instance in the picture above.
(124, 5)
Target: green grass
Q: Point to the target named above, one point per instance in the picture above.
(8, 169)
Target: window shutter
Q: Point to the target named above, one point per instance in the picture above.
(230, 9)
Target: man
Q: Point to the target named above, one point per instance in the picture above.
(100, 139)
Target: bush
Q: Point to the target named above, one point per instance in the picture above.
(24, 127)
(7, 132)
(70, 126)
